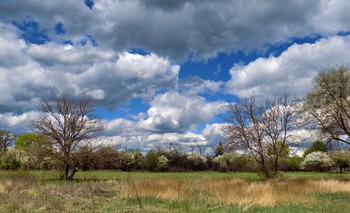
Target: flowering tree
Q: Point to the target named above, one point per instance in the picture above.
(316, 161)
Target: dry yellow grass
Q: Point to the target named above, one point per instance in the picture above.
(25, 192)
(246, 193)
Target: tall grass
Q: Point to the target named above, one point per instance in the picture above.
(25, 192)
(22, 191)
(228, 191)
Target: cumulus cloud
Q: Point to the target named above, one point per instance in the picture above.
(291, 72)
(213, 133)
(173, 112)
(31, 73)
(174, 28)
(17, 124)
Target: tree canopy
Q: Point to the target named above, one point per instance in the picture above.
(327, 105)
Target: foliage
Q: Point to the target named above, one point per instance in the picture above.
(291, 163)
(6, 140)
(13, 159)
(129, 161)
(196, 162)
(231, 161)
(150, 161)
(341, 159)
(327, 105)
(280, 147)
(36, 147)
(316, 161)
(162, 163)
(317, 146)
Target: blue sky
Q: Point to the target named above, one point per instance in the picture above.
(162, 72)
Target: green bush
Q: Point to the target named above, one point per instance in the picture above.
(150, 161)
(234, 162)
(130, 161)
(291, 163)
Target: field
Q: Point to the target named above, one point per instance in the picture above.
(115, 191)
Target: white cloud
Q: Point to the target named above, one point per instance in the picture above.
(31, 73)
(291, 72)
(17, 124)
(213, 133)
(173, 112)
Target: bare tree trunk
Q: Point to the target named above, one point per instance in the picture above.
(65, 172)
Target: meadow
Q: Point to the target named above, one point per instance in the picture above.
(116, 191)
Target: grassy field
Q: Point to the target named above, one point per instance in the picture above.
(115, 191)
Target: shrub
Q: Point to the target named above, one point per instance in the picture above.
(316, 161)
(196, 162)
(129, 161)
(150, 161)
(291, 163)
(341, 159)
(13, 159)
(234, 162)
(162, 163)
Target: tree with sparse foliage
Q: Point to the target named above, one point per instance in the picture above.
(327, 105)
(258, 128)
(68, 124)
(6, 140)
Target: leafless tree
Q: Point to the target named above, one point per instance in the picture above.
(6, 140)
(69, 124)
(327, 105)
(258, 128)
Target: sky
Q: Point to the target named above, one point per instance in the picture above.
(162, 71)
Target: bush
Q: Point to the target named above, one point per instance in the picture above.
(129, 161)
(291, 163)
(13, 159)
(150, 161)
(196, 162)
(162, 163)
(234, 162)
(316, 161)
(341, 159)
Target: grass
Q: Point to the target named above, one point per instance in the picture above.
(115, 191)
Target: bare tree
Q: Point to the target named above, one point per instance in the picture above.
(69, 124)
(259, 128)
(6, 140)
(327, 105)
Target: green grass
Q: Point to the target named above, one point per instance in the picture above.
(116, 174)
(100, 191)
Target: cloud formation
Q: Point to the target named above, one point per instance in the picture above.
(291, 72)
(173, 112)
(31, 73)
(174, 28)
